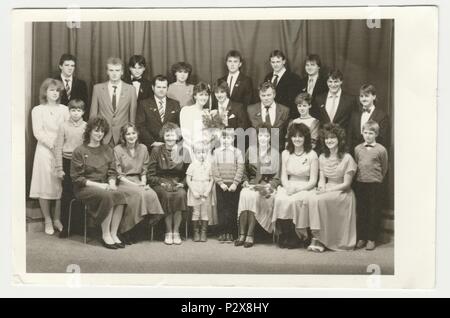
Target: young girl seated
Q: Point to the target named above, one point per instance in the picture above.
(200, 181)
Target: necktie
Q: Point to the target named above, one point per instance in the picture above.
(275, 80)
(310, 85)
(229, 85)
(333, 107)
(161, 110)
(67, 88)
(114, 98)
(267, 120)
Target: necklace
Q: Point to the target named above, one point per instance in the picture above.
(300, 154)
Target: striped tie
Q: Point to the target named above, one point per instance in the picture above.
(67, 88)
(161, 110)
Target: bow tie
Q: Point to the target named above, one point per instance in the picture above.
(136, 80)
(369, 146)
(366, 110)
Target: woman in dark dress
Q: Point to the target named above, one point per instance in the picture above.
(94, 175)
(166, 175)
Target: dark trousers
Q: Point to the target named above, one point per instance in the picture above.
(227, 206)
(368, 208)
(66, 197)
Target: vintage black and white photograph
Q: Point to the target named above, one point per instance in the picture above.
(210, 146)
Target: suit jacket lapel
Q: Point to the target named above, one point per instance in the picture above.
(277, 115)
(155, 111)
(167, 111)
(106, 97)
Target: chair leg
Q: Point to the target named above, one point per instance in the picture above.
(151, 232)
(85, 224)
(70, 216)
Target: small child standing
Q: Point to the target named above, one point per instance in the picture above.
(303, 102)
(228, 171)
(372, 160)
(200, 181)
(70, 136)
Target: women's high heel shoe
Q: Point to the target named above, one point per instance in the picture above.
(49, 230)
(109, 246)
(240, 241)
(248, 241)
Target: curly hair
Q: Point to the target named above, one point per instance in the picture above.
(222, 86)
(97, 122)
(123, 132)
(303, 97)
(201, 87)
(181, 66)
(299, 130)
(46, 84)
(333, 130)
(169, 126)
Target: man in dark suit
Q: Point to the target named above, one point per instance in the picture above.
(334, 106)
(367, 111)
(269, 112)
(137, 66)
(155, 111)
(286, 83)
(114, 100)
(240, 85)
(74, 88)
(314, 83)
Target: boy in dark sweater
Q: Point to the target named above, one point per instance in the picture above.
(372, 160)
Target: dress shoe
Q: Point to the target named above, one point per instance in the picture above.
(248, 241)
(240, 241)
(49, 230)
(120, 245)
(58, 225)
(109, 246)
(370, 246)
(125, 239)
(168, 239)
(221, 238)
(229, 238)
(361, 244)
(176, 238)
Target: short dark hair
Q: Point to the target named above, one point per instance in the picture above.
(179, 66)
(67, 57)
(368, 89)
(49, 82)
(264, 86)
(371, 125)
(137, 59)
(123, 131)
(222, 85)
(303, 97)
(301, 130)
(169, 126)
(94, 123)
(314, 58)
(159, 78)
(77, 103)
(335, 74)
(277, 53)
(234, 53)
(331, 129)
(200, 87)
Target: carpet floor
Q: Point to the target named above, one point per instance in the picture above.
(49, 254)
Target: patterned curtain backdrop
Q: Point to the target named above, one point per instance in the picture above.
(363, 54)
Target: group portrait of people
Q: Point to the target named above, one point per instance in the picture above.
(294, 155)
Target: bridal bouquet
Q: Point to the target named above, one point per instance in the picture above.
(212, 119)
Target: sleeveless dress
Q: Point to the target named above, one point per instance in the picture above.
(333, 214)
(295, 207)
(46, 120)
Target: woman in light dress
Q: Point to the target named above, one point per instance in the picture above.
(180, 90)
(45, 184)
(299, 173)
(332, 210)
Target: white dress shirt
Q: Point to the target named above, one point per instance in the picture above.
(280, 74)
(157, 100)
(272, 113)
(64, 81)
(311, 83)
(118, 90)
(366, 115)
(329, 104)
(136, 84)
(233, 78)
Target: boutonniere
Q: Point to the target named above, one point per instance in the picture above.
(258, 114)
(322, 106)
(236, 84)
(305, 161)
(173, 112)
(232, 116)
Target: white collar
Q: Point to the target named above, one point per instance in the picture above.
(66, 78)
(338, 94)
(157, 100)
(235, 75)
(119, 85)
(371, 109)
(272, 106)
(280, 73)
(313, 76)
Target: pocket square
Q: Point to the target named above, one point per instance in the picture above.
(232, 116)
(173, 112)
